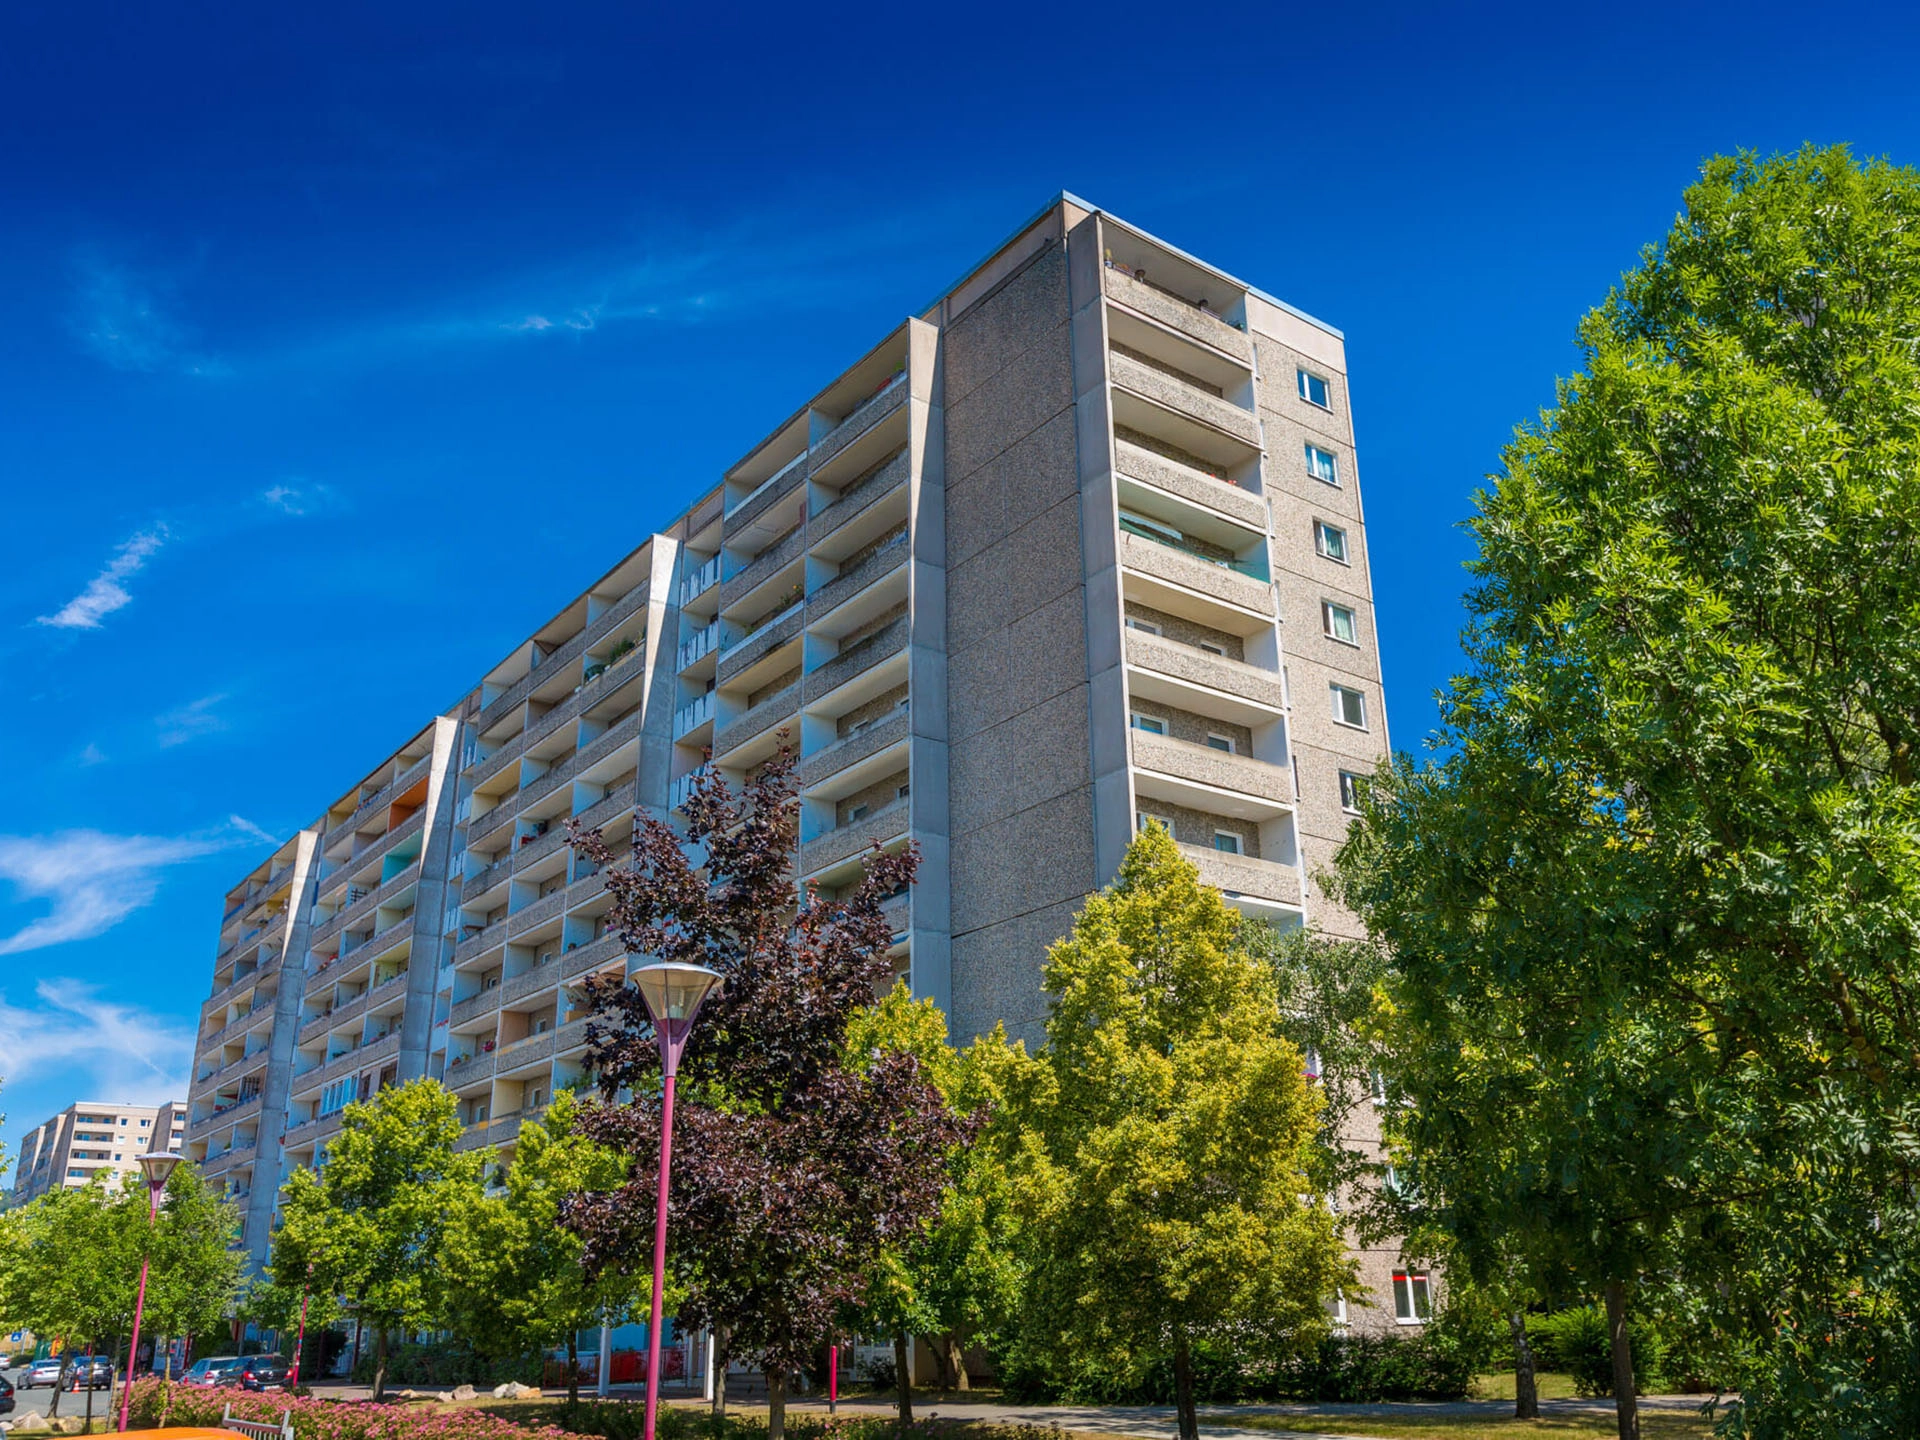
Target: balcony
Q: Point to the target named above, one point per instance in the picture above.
(1197, 574)
(763, 567)
(887, 823)
(848, 750)
(474, 1006)
(516, 1054)
(468, 1070)
(1241, 877)
(883, 561)
(697, 645)
(1183, 398)
(498, 871)
(887, 479)
(767, 635)
(1198, 486)
(889, 640)
(1203, 778)
(1175, 674)
(765, 495)
(698, 581)
(544, 668)
(863, 417)
(542, 976)
(1178, 313)
(380, 798)
(775, 709)
(594, 955)
(538, 913)
(693, 714)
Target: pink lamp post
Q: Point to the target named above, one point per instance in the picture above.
(157, 1165)
(674, 993)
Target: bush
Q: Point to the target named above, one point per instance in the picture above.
(1426, 1364)
(1575, 1342)
(325, 1419)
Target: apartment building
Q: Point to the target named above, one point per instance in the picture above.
(1078, 545)
(89, 1136)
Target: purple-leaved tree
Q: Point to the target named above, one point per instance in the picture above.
(792, 1169)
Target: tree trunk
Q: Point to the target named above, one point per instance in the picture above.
(720, 1363)
(1189, 1416)
(776, 1403)
(1526, 1394)
(87, 1378)
(379, 1362)
(573, 1372)
(59, 1385)
(956, 1360)
(903, 1379)
(1626, 1406)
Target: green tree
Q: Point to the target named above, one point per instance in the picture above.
(196, 1274)
(369, 1222)
(959, 1278)
(1166, 1150)
(1652, 915)
(513, 1273)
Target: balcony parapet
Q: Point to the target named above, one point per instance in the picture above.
(781, 484)
(1178, 314)
(862, 418)
(1175, 394)
(474, 1006)
(1190, 572)
(856, 498)
(851, 749)
(531, 982)
(768, 563)
(476, 945)
(591, 956)
(774, 710)
(887, 823)
(848, 583)
(1199, 667)
(1190, 484)
(1244, 875)
(470, 1071)
(889, 640)
(528, 1051)
(367, 903)
(538, 913)
(1214, 769)
(762, 643)
(488, 878)
(374, 849)
(568, 650)
(570, 1036)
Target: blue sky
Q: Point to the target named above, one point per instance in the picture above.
(312, 312)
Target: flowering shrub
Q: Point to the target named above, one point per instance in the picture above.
(328, 1419)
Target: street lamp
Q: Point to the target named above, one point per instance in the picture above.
(674, 993)
(157, 1166)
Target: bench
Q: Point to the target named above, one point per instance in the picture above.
(258, 1429)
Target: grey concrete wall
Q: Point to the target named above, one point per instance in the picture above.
(437, 861)
(302, 890)
(1021, 781)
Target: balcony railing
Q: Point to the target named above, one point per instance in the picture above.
(1174, 540)
(681, 790)
(696, 712)
(697, 645)
(697, 582)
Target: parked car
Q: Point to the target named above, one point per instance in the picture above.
(214, 1370)
(6, 1395)
(95, 1374)
(41, 1372)
(263, 1372)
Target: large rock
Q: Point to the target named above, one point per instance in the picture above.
(71, 1425)
(31, 1423)
(463, 1392)
(513, 1390)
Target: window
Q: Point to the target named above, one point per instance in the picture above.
(1314, 390)
(1142, 819)
(1337, 1310)
(1349, 707)
(902, 792)
(1350, 784)
(1338, 622)
(1220, 742)
(1322, 465)
(1227, 842)
(1147, 625)
(1330, 541)
(1412, 1301)
(1152, 724)
(1213, 649)
(1310, 1062)
(1377, 1085)
(146, 1122)
(858, 812)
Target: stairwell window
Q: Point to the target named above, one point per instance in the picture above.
(1219, 742)
(1412, 1298)
(1314, 389)
(1322, 465)
(1227, 842)
(1330, 541)
(1152, 724)
(1338, 623)
(1349, 707)
(1145, 626)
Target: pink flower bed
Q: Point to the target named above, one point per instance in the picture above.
(328, 1419)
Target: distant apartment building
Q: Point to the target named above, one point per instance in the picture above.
(1076, 546)
(90, 1136)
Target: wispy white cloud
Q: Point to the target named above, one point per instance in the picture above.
(93, 755)
(125, 1053)
(302, 498)
(191, 721)
(105, 593)
(89, 881)
(121, 322)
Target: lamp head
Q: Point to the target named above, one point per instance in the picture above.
(674, 991)
(158, 1165)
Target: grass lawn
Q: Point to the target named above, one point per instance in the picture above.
(1551, 1384)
